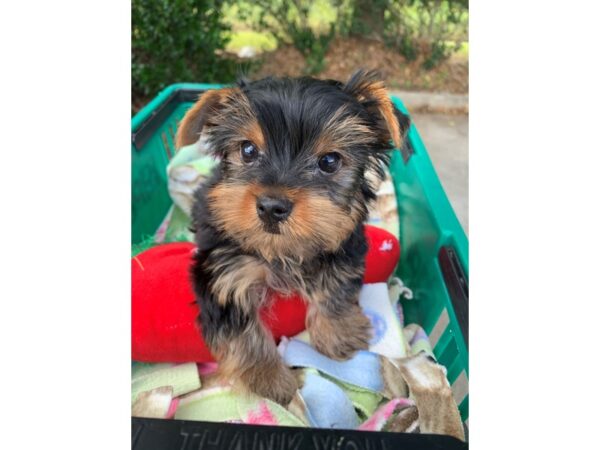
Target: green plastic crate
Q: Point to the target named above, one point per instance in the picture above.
(434, 260)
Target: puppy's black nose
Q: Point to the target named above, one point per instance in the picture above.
(273, 209)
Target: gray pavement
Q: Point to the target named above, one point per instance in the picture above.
(433, 101)
(447, 140)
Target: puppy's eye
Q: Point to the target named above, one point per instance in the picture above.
(330, 162)
(248, 151)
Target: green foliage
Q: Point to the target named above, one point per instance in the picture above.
(438, 52)
(313, 47)
(175, 41)
(433, 29)
(368, 18)
(292, 22)
(425, 30)
(263, 42)
(406, 46)
(184, 40)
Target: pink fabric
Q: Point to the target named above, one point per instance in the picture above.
(383, 414)
(173, 408)
(261, 416)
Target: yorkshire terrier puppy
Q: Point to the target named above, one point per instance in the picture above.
(284, 211)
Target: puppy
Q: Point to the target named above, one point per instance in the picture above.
(284, 212)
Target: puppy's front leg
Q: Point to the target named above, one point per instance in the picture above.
(248, 357)
(336, 324)
(244, 349)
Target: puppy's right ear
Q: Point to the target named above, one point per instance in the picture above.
(368, 88)
(209, 105)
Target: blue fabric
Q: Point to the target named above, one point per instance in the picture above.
(328, 406)
(363, 370)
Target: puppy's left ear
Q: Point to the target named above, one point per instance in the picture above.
(368, 88)
(198, 116)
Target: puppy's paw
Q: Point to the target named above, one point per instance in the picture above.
(341, 337)
(278, 384)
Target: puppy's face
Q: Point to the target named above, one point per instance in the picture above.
(294, 154)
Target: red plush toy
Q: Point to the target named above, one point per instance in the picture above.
(164, 311)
